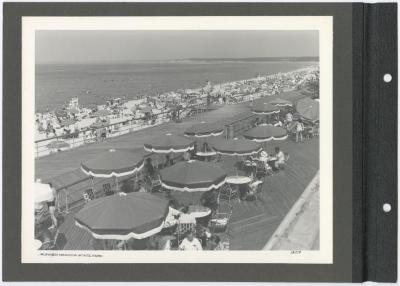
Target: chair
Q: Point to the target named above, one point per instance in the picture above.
(155, 184)
(255, 187)
(88, 195)
(261, 170)
(51, 244)
(282, 165)
(185, 223)
(219, 221)
(228, 193)
(225, 245)
(107, 189)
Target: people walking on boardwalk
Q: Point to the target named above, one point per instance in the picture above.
(299, 130)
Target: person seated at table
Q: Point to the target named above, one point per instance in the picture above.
(203, 234)
(310, 131)
(168, 161)
(264, 157)
(214, 243)
(190, 243)
(141, 188)
(186, 156)
(253, 189)
(210, 200)
(288, 119)
(278, 123)
(149, 168)
(280, 158)
(46, 238)
(51, 205)
(164, 242)
(40, 212)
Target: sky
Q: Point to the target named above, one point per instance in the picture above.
(117, 46)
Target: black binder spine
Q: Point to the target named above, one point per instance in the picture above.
(379, 143)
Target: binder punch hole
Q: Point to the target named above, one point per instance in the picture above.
(387, 77)
(387, 208)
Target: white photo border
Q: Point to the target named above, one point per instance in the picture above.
(324, 24)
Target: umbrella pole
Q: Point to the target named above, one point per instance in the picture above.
(116, 183)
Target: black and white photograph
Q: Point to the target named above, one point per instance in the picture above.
(197, 140)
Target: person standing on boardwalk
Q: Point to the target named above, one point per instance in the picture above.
(299, 130)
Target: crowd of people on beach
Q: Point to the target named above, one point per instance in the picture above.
(73, 120)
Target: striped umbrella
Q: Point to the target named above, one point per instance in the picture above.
(123, 216)
(265, 108)
(169, 144)
(308, 108)
(237, 147)
(113, 163)
(192, 176)
(57, 145)
(266, 133)
(281, 102)
(204, 129)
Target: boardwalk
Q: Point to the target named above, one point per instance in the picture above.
(252, 222)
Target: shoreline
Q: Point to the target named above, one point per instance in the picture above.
(309, 64)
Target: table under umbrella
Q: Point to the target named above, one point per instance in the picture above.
(266, 133)
(43, 193)
(169, 143)
(205, 129)
(308, 108)
(113, 163)
(123, 216)
(192, 176)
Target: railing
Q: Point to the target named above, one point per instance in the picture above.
(92, 135)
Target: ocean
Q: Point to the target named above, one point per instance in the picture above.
(93, 83)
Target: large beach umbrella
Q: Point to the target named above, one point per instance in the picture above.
(281, 102)
(266, 133)
(204, 129)
(265, 108)
(237, 147)
(123, 216)
(169, 143)
(113, 163)
(192, 176)
(308, 108)
(43, 193)
(57, 144)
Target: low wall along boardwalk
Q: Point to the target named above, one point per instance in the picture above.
(300, 228)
